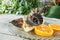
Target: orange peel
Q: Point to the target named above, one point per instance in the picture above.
(43, 30)
(55, 27)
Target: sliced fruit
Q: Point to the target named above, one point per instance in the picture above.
(43, 30)
(55, 27)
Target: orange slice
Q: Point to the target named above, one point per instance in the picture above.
(43, 30)
(55, 27)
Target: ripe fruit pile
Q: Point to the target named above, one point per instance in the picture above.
(44, 30)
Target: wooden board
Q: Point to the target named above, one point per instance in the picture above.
(8, 28)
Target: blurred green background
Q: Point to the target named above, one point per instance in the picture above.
(18, 6)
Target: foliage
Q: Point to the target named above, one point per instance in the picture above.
(18, 6)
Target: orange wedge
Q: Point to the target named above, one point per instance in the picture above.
(43, 30)
(55, 27)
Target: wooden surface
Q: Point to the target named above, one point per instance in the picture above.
(9, 32)
(5, 33)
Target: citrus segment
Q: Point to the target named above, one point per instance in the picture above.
(43, 30)
(55, 27)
